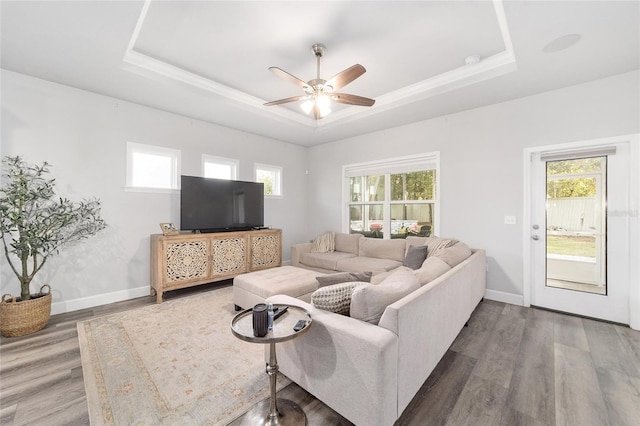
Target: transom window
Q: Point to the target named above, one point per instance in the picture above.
(395, 198)
(152, 167)
(219, 167)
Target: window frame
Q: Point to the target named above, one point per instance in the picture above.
(173, 154)
(212, 159)
(387, 167)
(278, 178)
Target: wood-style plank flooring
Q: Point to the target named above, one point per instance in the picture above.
(510, 366)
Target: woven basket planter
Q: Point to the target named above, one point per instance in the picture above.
(19, 318)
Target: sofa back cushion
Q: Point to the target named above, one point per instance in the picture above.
(431, 269)
(347, 243)
(368, 302)
(454, 255)
(382, 249)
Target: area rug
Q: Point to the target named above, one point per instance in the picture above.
(176, 363)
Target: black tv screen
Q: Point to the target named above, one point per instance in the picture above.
(213, 205)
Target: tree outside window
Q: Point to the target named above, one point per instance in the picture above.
(271, 177)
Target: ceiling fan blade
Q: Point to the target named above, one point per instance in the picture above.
(284, 101)
(289, 77)
(346, 76)
(345, 98)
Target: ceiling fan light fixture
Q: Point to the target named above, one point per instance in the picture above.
(307, 106)
(324, 105)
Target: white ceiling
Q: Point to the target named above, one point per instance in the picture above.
(209, 59)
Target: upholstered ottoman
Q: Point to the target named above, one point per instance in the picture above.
(254, 287)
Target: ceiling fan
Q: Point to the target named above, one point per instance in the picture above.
(319, 93)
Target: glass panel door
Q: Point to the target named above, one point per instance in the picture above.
(579, 232)
(576, 255)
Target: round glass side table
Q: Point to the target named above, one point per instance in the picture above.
(275, 411)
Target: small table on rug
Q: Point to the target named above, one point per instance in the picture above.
(275, 411)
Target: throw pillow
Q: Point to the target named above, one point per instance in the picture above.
(325, 243)
(335, 298)
(369, 302)
(435, 244)
(343, 277)
(415, 256)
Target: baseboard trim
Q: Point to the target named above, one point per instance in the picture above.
(101, 299)
(500, 296)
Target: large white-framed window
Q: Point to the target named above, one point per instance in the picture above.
(393, 198)
(152, 168)
(271, 176)
(219, 167)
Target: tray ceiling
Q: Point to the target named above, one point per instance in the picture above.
(209, 59)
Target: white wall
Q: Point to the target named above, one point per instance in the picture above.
(84, 136)
(481, 155)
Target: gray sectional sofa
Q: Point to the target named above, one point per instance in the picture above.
(369, 372)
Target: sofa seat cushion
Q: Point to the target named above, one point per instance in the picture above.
(383, 249)
(361, 263)
(368, 302)
(325, 260)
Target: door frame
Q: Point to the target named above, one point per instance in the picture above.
(633, 142)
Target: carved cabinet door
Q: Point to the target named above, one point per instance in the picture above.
(186, 260)
(266, 251)
(228, 254)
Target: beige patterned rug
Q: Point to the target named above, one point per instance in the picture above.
(176, 363)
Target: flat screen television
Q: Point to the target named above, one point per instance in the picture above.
(216, 205)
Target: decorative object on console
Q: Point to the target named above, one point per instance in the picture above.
(35, 224)
(318, 92)
(168, 229)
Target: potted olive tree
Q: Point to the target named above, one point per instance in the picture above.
(35, 224)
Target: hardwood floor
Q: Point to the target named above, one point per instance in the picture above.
(510, 366)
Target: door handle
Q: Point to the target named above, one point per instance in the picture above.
(535, 237)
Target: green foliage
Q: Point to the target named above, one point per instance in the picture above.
(413, 186)
(267, 180)
(35, 223)
(572, 245)
(573, 186)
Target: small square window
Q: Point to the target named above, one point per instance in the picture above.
(152, 167)
(219, 167)
(271, 176)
